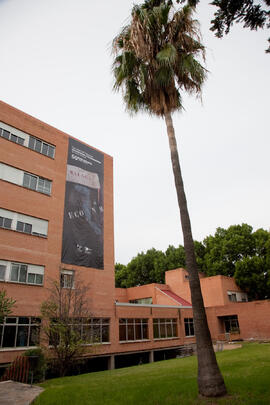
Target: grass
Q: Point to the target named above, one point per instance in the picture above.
(246, 372)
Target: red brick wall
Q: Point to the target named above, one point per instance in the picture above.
(253, 318)
(15, 246)
(214, 289)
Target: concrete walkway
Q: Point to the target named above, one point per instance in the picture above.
(219, 347)
(15, 393)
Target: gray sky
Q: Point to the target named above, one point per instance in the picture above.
(56, 66)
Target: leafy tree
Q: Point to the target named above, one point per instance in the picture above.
(175, 257)
(145, 268)
(155, 60)
(6, 305)
(150, 267)
(253, 14)
(243, 254)
(227, 247)
(120, 275)
(63, 314)
(252, 277)
(235, 252)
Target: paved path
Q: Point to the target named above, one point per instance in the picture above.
(226, 346)
(15, 393)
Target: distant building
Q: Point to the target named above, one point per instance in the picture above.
(56, 222)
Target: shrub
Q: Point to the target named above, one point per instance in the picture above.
(40, 366)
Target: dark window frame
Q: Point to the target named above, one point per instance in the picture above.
(4, 221)
(133, 329)
(231, 324)
(26, 228)
(4, 269)
(189, 327)
(67, 278)
(21, 268)
(34, 182)
(165, 328)
(42, 147)
(11, 137)
(18, 325)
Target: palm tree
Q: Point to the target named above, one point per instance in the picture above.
(155, 59)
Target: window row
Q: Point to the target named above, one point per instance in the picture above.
(236, 296)
(142, 301)
(21, 273)
(31, 142)
(23, 223)
(132, 329)
(19, 332)
(165, 328)
(25, 331)
(90, 331)
(24, 179)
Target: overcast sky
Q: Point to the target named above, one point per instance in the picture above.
(56, 66)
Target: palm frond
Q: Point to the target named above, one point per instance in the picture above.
(156, 56)
(168, 55)
(132, 97)
(163, 76)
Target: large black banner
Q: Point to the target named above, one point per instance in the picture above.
(82, 243)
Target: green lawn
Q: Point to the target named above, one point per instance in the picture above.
(171, 382)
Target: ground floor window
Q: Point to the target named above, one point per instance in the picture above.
(231, 324)
(19, 332)
(133, 329)
(164, 328)
(89, 330)
(96, 330)
(189, 327)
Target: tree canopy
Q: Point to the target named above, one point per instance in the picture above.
(253, 14)
(237, 252)
(156, 57)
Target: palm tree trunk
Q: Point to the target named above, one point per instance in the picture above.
(210, 380)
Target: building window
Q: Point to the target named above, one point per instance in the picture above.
(232, 297)
(5, 222)
(231, 324)
(90, 330)
(96, 330)
(67, 278)
(189, 327)
(142, 301)
(22, 273)
(2, 272)
(41, 147)
(37, 183)
(23, 227)
(11, 137)
(133, 329)
(165, 328)
(19, 332)
(23, 223)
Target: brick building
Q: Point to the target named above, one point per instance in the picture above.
(56, 221)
